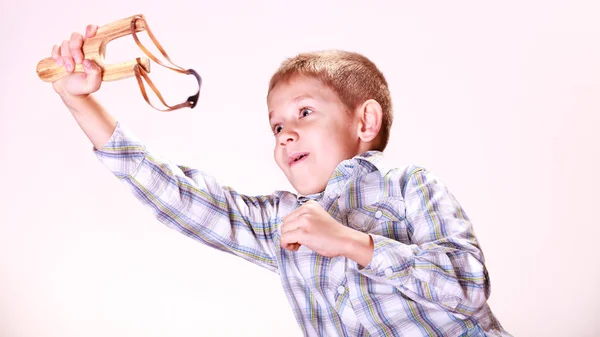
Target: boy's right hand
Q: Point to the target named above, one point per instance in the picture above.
(70, 53)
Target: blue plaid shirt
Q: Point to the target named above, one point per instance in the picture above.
(427, 276)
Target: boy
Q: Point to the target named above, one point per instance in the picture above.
(362, 249)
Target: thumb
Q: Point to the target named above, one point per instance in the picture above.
(93, 78)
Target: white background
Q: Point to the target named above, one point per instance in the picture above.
(500, 100)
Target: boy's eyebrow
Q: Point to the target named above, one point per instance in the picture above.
(301, 97)
(295, 100)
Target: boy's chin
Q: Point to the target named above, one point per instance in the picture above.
(308, 188)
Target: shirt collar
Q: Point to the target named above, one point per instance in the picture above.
(359, 165)
(363, 163)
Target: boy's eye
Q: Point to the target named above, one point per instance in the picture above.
(277, 129)
(305, 112)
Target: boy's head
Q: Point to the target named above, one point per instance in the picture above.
(326, 107)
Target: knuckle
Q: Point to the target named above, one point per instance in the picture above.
(90, 30)
(305, 227)
(312, 205)
(75, 42)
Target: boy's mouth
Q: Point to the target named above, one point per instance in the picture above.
(297, 157)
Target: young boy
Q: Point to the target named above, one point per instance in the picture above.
(362, 249)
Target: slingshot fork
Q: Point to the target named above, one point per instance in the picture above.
(95, 48)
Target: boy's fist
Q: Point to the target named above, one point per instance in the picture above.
(312, 226)
(70, 53)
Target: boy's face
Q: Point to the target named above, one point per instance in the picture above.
(313, 132)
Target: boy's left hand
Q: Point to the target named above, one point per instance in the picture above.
(312, 226)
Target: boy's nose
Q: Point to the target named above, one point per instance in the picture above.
(288, 137)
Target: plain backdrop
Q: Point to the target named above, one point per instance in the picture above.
(500, 99)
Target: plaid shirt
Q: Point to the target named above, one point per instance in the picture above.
(427, 276)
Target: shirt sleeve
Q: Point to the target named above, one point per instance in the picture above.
(192, 202)
(444, 263)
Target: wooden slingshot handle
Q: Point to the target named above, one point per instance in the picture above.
(94, 49)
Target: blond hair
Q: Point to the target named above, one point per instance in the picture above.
(352, 76)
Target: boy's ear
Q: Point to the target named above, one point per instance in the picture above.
(370, 116)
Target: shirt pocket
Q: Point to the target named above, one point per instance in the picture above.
(384, 217)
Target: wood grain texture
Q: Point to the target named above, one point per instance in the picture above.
(95, 48)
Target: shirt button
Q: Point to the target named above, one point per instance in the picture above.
(378, 214)
(388, 272)
(341, 289)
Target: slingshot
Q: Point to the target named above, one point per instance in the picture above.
(95, 48)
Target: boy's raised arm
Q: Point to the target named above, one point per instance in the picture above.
(97, 124)
(194, 203)
(182, 198)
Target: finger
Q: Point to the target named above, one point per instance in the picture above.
(75, 45)
(66, 56)
(291, 246)
(93, 79)
(290, 225)
(302, 221)
(295, 247)
(56, 55)
(292, 237)
(90, 30)
(295, 214)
